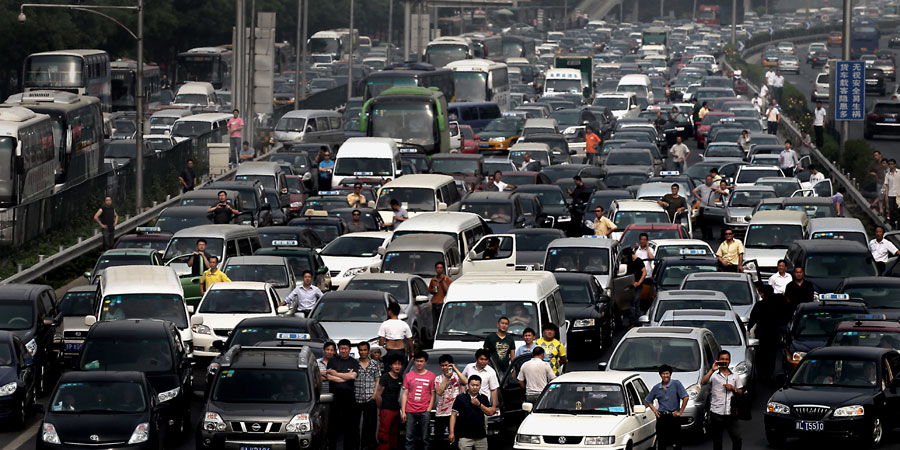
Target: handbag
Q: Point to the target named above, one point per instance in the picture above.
(740, 406)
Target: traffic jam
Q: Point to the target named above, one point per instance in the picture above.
(512, 238)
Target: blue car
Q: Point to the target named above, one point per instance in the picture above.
(17, 379)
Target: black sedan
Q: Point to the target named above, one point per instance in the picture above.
(837, 392)
(103, 409)
(17, 378)
(884, 118)
(589, 310)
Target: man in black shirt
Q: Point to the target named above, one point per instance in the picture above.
(387, 397)
(799, 290)
(222, 212)
(637, 268)
(107, 218)
(188, 178)
(197, 269)
(673, 203)
(341, 373)
(768, 316)
(467, 418)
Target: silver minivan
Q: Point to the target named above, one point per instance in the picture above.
(310, 126)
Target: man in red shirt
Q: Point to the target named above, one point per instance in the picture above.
(592, 143)
(416, 401)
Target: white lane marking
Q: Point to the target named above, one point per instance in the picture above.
(25, 435)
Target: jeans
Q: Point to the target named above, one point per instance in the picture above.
(591, 158)
(668, 428)
(234, 147)
(388, 429)
(441, 433)
(473, 444)
(109, 237)
(773, 127)
(369, 413)
(820, 136)
(720, 424)
(678, 165)
(417, 430)
(636, 306)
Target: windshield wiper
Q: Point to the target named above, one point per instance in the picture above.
(463, 333)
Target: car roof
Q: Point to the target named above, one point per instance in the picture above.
(778, 217)
(582, 242)
(256, 260)
(637, 205)
(423, 242)
(836, 224)
(511, 285)
(573, 276)
(586, 376)
(213, 231)
(20, 291)
(364, 295)
(419, 180)
(848, 352)
(129, 251)
(724, 276)
(690, 294)
(242, 285)
(754, 188)
(719, 315)
(482, 196)
(672, 332)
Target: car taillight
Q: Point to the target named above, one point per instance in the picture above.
(874, 116)
(477, 138)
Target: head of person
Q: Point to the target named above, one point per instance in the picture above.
(787, 144)
(782, 266)
(892, 164)
(363, 349)
(538, 352)
(107, 201)
(578, 181)
(474, 385)
(674, 110)
(813, 168)
(729, 234)
(446, 362)
(494, 243)
(765, 291)
(675, 188)
(798, 273)
(658, 114)
(246, 145)
(329, 349)
(357, 188)
(490, 179)
(201, 244)
(628, 254)
(375, 353)
(356, 215)
(724, 357)
(497, 176)
(344, 348)
(326, 155)
(879, 233)
(723, 185)
(439, 268)
(395, 363)
(395, 204)
(222, 196)
(709, 180)
(420, 359)
(394, 310)
(528, 335)
(527, 157)
(877, 155)
(190, 163)
(589, 129)
(482, 356)
(503, 324)
(643, 240)
(213, 262)
(323, 149)
(678, 139)
(744, 133)
(307, 277)
(235, 113)
(598, 211)
(703, 105)
(665, 373)
(549, 331)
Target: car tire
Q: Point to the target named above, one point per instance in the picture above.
(876, 434)
(417, 343)
(775, 439)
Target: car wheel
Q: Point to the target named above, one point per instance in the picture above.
(775, 439)
(17, 420)
(417, 343)
(876, 434)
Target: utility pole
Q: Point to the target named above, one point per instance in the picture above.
(406, 28)
(139, 93)
(390, 33)
(734, 22)
(303, 43)
(250, 128)
(299, 56)
(350, 56)
(845, 124)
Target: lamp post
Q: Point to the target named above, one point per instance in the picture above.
(139, 89)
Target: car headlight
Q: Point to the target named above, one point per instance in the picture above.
(528, 439)
(201, 329)
(850, 411)
(141, 434)
(31, 346)
(49, 435)
(355, 271)
(564, 219)
(778, 408)
(8, 389)
(497, 139)
(742, 369)
(299, 424)
(737, 219)
(213, 422)
(581, 323)
(797, 356)
(599, 440)
(693, 392)
(168, 395)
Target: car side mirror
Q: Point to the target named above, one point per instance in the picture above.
(645, 319)
(640, 409)
(87, 275)
(382, 251)
(747, 218)
(89, 321)
(453, 271)
(190, 309)
(527, 407)
(282, 310)
(371, 204)
(442, 206)
(421, 299)
(623, 269)
(196, 319)
(752, 342)
(403, 316)
(601, 366)
(321, 270)
(326, 398)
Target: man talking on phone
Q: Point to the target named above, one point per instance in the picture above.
(222, 211)
(725, 385)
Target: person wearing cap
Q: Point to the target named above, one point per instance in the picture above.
(671, 399)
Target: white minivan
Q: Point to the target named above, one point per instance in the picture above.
(196, 93)
(417, 193)
(639, 84)
(367, 157)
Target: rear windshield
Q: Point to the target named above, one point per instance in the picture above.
(887, 108)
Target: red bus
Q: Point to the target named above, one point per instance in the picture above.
(708, 14)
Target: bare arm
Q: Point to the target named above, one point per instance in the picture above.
(378, 391)
(100, 211)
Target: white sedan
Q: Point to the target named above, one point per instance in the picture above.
(225, 304)
(587, 409)
(352, 254)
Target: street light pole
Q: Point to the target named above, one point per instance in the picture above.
(350, 56)
(299, 55)
(733, 22)
(845, 124)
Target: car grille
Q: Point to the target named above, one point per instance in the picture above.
(562, 440)
(223, 332)
(80, 334)
(811, 412)
(256, 427)
(334, 273)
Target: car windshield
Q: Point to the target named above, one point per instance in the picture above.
(191, 128)
(127, 354)
(578, 259)
(629, 159)
(121, 260)
(855, 236)
(473, 321)
(726, 332)
(192, 99)
(276, 275)
(236, 301)
(327, 232)
(563, 85)
(575, 292)
(176, 223)
(673, 274)
(349, 310)
(773, 236)
(363, 166)
(261, 386)
(750, 176)
(676, 305)
(582, 398)
(836, 372)
(840, 265)
(881, 297)
(145, 306)
(567, 118)
(625, 218)
(398, 288)
(504, 125)
(534, 242)
(16, 315)
(91, 397)
(451, 166)
(494, 212)
(413, 199)
(623, 180)
(77, 304)
(187, 245)
(819, 323)
(782, 188)
(868, 338)
(645, 354)
(357, 247)
(748, 199)
(738, 292)
(812, 211)
(415, 262)
(632, 236)
(518, 156)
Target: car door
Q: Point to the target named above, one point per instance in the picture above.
(426, 309)
(646, 427)
(623, 292)
(823, 188)
(273, 296)
(25, 363)
(642, 420)
(511, 392)
(480, 258)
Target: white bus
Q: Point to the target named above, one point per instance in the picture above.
(27, 156)
(447, 49)
(82, 72)
(481, 80)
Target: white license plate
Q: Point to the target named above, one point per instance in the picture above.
(679, 128)
(807, 425)
(890, 119)
(871, 81)
(255, 447)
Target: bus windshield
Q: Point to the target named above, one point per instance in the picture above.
(470, 86)
(375, 86)
(411, 122)
(564, 85)
(54, 70)
(513, 50)
(325, 45)
(440, 55)
(197, 68)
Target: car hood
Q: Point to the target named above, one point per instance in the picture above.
(822, 395)
(765, 257)
(78, 428)
(8, 374)
(226, 321)
(500, 228)
(354, 331)
(738, 211)
(75, 323)
(806, 344)
(578, 311)
(556, 210)
(261, 412)
(570, 424)
(342, 263)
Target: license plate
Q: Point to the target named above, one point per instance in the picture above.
(890, 119)
(679, 128)
(255, 447)
(484, 144)
(74, 346)
(871, 81)
(807, 425)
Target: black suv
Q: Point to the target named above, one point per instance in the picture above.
(883, 118)
(875, 81)
(30, 311)
(589, 309)
(150, 346)
(265, 397)
(254, 208)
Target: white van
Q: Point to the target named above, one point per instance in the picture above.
(367, 157)
(564, 81)
(161, 122)
(196, 93)
(475, 301)
(199, 124)
(417, 193)
(466, 228)
(638, 83)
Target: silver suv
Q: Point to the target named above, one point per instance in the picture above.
(820, 88)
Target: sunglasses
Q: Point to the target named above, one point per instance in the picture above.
(355, 214)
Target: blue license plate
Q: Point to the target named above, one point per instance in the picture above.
(484, 144)
(808, 425)
(74, 346)
(890, 119)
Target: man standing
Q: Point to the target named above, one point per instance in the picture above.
(770, 77)
(438, 287)
(480, 368)
(355, 226)
(602, 225)
(892, 190)
(326, 168)
(580, 197)
(328, 352)
(235, 126)
(553, 348)
(107, 218)
(636, 269)
(468, 419)
(212, 275)
(534, 375)
(788, 160)
(881, 249)
(731, 253)
(673, 203)
(447, 385)
(305, 296)
(192, 262)
(773, 116)
(672, 398)
(814, 175)
(501, 345)
(703, 194)
(529, 345)
(387, 398)
(744, 141)
(247, 152)
(768, 316)
(416, 401)
(778, 84)
(725, 385)
(592, 144)
(364, 391)
(704, 110)
(780, 279)
(188, 178)
(501, 186)
(356, 199)
(395, 336)
(222, 211)
(799, 291)
(763, 99)
(400, 214)
(679, 153)
(819, 115)
(643, 252)
(342, 373)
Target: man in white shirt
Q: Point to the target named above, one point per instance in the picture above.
(770, 77)
(534, 375)
(881, 249)
(892, 190)
(773, 116)
(763, 98)
(501, 186)
(779, 280)
(642, 250)
(819, 124)
(679, 153)
(778, 85)
(788, 160)
(725, 385)
(395, 336)
(489, 380)
(814, 175)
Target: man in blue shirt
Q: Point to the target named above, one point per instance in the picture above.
(326, 170)
(667, 410)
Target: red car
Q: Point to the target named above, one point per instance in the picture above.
(708, 121)
(468, 142)
(632, 232)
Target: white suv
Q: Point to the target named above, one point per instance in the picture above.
(226, 304)
(820, 88)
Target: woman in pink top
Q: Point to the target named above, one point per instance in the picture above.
(235, 126)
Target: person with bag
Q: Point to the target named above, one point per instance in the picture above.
(726, 386)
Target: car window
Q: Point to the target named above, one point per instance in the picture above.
(632, 394)
(230, 249)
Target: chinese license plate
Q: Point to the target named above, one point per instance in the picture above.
(871, 81)
(74, 346)
(484, 144)
(806, 425)
(890, 119)
(255, 447)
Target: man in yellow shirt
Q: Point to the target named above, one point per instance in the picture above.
(212, 275)
(602, 225)
(731, 253)
(356, 199)
(554, 352)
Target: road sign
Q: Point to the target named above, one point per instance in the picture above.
(749, 36)
(850, 90)
(771, 30)
(740, 46)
